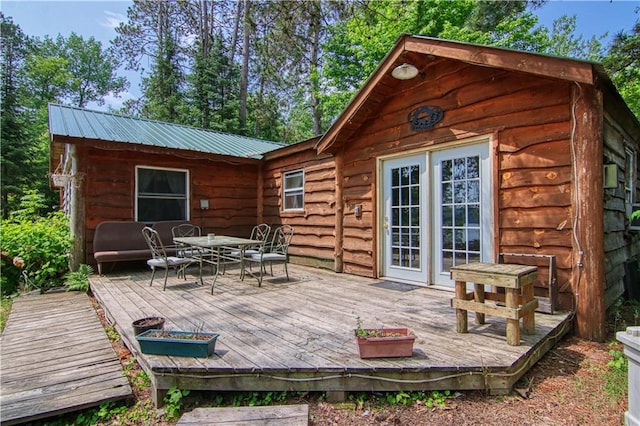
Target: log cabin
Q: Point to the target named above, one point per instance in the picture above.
(450, 153)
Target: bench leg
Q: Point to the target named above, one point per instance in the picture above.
(461, 314)
(529, 319)
(513, 325)
(478, 296)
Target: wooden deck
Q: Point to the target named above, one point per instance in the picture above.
(56, 358)
(298, 334)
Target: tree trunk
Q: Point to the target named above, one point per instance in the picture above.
(236, 29)
(315, 87)
(244, 77)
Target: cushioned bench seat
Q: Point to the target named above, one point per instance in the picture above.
(116, 241)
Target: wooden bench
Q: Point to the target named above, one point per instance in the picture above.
(517, 282)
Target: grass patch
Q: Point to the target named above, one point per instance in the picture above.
(5, 310)
(617, 374)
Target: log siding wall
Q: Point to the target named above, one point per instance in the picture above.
(531, 118)
(109, 190)
(314, 238)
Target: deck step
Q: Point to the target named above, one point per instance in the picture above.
(281, 415)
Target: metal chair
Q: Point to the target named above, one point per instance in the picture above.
(160, 258)
(186, 230)
(259, 233)
(277, 252)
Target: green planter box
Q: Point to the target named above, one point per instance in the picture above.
(177, 343)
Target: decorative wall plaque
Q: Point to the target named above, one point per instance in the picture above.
(425, 117)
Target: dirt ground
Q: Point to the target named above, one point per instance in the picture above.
(569, 386)
(564, 388)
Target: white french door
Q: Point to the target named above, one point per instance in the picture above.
(438, 216)
(403, 225)
(461, 209)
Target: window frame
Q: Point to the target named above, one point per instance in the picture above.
(293, 191)
(186, 198)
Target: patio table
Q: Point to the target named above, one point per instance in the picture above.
(216, 251)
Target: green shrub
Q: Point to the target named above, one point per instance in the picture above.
(37, 248)
(5, 309)
(78, 280)
(10, 270)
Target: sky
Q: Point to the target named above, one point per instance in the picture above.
(99, 19)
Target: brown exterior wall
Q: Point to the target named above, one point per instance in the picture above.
(531, 119)
(620, 244)
(109, 190)
(314, 237)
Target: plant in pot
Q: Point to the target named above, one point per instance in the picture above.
(384, 342)
(148, 323)
(199, 344)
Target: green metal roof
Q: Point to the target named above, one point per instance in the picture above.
(83, 123)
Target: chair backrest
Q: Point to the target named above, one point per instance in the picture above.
(154, 242)
(261, 233)
(281, 239)
(185, 230)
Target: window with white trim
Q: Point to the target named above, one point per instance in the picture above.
(293, 190)
(161, 194)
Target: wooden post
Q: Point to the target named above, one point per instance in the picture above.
(461, 314)
(77, 230)
(528, 319)
(478, 295)
(588, 210)
(338, 251)
(513, 325)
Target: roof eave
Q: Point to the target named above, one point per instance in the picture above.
(130, 146)
(361, 96)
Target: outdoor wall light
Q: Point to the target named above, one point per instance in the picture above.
(204, 204)
(404, 72)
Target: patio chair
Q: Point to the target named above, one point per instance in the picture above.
(258, 233)
(277, 252)
(160, 258)
(186, 230)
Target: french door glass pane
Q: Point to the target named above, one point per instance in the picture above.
(405, 217)
(460, 211)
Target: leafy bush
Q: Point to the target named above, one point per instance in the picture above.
(10, 276)
(78, 280)
(174, 402)
(37, 249)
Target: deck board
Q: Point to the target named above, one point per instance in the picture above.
(298, 334)
(274, 415)
(56, 358)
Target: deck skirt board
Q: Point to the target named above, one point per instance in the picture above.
(56, 358)
(298, 335)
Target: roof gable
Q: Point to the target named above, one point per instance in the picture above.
(71, 122)
(422, 51)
